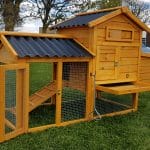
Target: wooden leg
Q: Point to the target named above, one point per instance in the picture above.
(135, 97)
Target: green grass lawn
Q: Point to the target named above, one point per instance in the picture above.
(126, 132)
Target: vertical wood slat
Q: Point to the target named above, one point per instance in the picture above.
(139, 58)
(59, 93)
(2, 103)
(26, 97)
(53, 98)
(89, 93)
(117, 60)
(135, 97)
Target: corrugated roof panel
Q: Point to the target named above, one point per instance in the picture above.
(46, 47)
(80, 20)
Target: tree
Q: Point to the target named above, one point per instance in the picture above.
(140, 9)
(10, 13)
(53, 11)
(49, 11)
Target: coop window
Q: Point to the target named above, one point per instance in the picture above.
(66, 70)
(119, 34)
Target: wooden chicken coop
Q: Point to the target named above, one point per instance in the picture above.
(50, 80)
(115, 37)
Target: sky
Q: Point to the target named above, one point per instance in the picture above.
(33, 25)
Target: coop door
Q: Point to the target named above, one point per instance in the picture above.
(13, 100)
(107, 63)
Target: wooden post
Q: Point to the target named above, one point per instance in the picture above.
(135, 97)
(53, 98)
(59, 93)
(26, 97)
(2, 103)
(89, 93)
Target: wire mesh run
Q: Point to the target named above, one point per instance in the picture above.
(108, 103)
(74, 91)
(10, 101)
(42, 107)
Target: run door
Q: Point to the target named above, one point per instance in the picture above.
(13, 100)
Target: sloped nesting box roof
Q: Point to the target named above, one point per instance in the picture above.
(91, 19)
(80, 20)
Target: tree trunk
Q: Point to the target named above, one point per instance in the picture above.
(44, 28)
(11, 14)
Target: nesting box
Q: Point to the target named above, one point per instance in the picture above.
(114, 36)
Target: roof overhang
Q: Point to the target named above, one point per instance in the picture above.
(121, 10)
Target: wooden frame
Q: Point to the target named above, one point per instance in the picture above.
(118, 29)
(22, 87)
(59, 93)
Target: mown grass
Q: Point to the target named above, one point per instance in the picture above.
(126, 132)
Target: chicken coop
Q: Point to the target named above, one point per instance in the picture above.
(115, 37)
(79, 74)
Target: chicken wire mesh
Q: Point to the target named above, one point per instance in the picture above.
(106, 103)
(10, 100)
(74, 90)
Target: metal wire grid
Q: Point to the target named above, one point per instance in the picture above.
(10, 98)
(74, 91)
(109, 103)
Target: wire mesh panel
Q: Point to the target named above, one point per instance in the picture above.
(10, 101)
(108, 103)
(74, 90)
(42, 91)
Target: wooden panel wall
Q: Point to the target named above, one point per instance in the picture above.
(79, 33)
(145, 69)
(124, 54)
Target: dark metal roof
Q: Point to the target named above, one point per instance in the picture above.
(46, 47)
(80, 20)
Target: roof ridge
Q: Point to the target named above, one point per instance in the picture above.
(98, 11)
(29, 34)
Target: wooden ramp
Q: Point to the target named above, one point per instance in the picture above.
(38, 97)
(42, 95)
